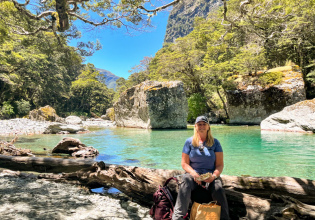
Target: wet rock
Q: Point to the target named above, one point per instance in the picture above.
(75, 148)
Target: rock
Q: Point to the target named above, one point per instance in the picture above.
(75, 148)
(153, 104)
(98, 123)
(110, 115)
(74, 120)
(181, 19)
(56, 127)
(299, 117)
(46, 113)
(251, 103)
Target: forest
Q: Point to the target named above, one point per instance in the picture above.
(38, 67)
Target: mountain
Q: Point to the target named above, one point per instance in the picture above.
(181, 18)
(110, 78)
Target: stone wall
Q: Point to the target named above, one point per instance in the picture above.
(252, 103)
(153, 104)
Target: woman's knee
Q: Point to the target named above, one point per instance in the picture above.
(187, 181)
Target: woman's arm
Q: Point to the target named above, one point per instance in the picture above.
(219, 164)
(186, 166)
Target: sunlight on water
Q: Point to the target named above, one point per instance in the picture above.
(247, 150)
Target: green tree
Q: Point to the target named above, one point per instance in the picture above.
(89, 95)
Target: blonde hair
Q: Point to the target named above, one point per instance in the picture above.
(209, 138)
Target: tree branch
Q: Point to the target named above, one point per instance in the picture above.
(159, 8)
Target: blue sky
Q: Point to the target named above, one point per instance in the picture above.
(122, 51)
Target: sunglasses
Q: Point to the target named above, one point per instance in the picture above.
(201, 147)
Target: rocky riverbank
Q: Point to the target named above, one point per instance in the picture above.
(31, 198)
(23, 126)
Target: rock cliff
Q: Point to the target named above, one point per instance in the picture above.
(252, 102)
(181, 18)
(153, 104)
(299, 117)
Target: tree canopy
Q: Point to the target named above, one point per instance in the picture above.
(59, 15)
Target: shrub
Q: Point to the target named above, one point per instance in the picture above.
(270, 78)
(22, 107)
(7, 110)
(111, 114)
(197, 105)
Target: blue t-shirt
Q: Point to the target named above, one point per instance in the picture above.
(202, 162)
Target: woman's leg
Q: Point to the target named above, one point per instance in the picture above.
(218, 194)
(186, 185)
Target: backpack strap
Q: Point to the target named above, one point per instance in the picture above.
(167, 196)
(169, 179)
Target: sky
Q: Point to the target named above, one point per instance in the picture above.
(121, 51)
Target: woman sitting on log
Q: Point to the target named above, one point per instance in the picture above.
(201, 154)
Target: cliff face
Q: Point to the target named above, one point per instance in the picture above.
(181, 19)
(153, 104)
(251, 103)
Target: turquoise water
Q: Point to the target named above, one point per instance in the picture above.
(247, 150)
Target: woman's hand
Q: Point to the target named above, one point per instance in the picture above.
(196, 176)
(210, 179)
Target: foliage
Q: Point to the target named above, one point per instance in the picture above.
(59, 15)
(270, 78)
(7, 110)
(89, 95)
(197, 105)
(23, 107)
(111, 114)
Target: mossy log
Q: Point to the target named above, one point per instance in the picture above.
(248, 197)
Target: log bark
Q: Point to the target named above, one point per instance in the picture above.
(44, 164)
(248, 197)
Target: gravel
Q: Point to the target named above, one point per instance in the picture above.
(24, 126)
(32, 198)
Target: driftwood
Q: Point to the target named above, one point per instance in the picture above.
(44, 164)
(7, 148)
(248, 197)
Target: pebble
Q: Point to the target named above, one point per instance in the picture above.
(30, 198)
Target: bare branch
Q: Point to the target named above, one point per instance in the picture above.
(26, 3)
(24, 32)
(30, 15)
(160, 8)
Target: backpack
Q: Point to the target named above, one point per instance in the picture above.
(163, 206)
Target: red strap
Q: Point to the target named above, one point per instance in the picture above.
(168, 180)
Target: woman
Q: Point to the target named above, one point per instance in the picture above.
(201, 154)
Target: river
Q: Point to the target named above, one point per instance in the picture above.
(247, 150)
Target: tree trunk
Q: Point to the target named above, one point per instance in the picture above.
(249, 197)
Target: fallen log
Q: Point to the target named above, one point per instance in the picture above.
(44, 164)
(248, 197)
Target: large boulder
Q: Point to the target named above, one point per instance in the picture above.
(252, 102)
(60, 128)
(299, 117)
(74, 120)
(153, 104)
(75, 148)
(46, 113)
